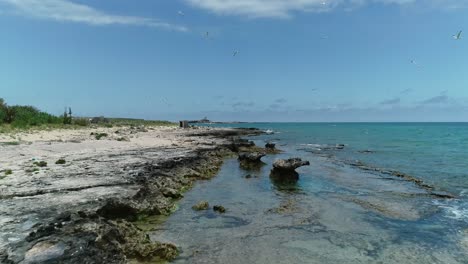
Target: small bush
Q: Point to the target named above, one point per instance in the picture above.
(81, 122)
(98, 136)
(61, 161)
(40, 163)
(11, 143)
(8, 172)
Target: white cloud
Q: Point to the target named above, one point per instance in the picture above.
(67, 11)
(285, 8)
(263, 8)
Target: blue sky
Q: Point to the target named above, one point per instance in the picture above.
(298, 60)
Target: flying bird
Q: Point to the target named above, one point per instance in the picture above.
(235, 53)
(206, 35)
(180, 13)
(458, 36)
(416, 64)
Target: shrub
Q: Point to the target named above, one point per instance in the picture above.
(98, 136)
(8, 172)
(81, 122)
(24, 116)
(61, 161)
(40, 163)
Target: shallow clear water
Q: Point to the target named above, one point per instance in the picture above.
(335, 213)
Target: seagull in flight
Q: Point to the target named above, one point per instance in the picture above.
(458, 36)
(235, 53)
(416, 64)
(180, 13)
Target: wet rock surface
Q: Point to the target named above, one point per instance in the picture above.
(219, 208)
(289, 164)
(203, 205)
(83, 211)
(251, 156)
(284, 175)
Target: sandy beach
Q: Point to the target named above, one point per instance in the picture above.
(81, 207)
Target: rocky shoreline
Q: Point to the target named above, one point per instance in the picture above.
(85, 212)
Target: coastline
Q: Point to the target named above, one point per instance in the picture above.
(84, 210)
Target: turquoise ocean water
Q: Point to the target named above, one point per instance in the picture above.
(336, 212)
(434, 152)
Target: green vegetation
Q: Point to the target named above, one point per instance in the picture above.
(11, 143)
(25, 116)
(60, 162)
(138, 122)
(81, 122)
(8, 172)
(98, 136)
(18, 117)
(40, 163)
(32, 170)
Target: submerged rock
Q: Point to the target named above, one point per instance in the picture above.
(270, 145)
(219, 209)
(203, 205)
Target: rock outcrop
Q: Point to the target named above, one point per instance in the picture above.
(286, 169)
(203, 205)
(289, 164)
(251, 157)
(84, 211)
(270, 145)
(219, 208)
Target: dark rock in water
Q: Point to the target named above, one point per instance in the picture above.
(169, 192)
(289, 164)
(203, 205)
(279, 175)
(270, 145)
(251, 157)
(366, 151)
(340, 146)
(285, 170)
(219, 209)
(238, 143)
(443, 195)
(248, 176)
